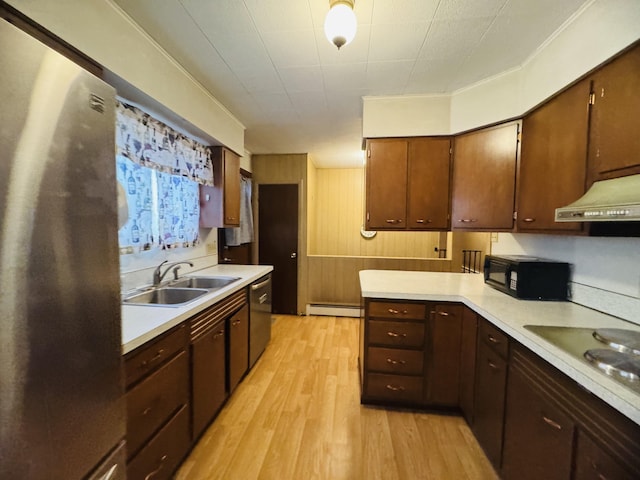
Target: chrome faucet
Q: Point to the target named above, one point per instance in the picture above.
(158, 275)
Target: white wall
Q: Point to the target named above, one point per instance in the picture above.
(605, 273)
(101, 30)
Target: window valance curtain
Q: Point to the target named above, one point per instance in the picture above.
(150, 143)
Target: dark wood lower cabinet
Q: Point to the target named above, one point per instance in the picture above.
(443, 355)
(238, 328)
(164, 453)
(468, 349)
(208, 385)
(556, 430)
(538, 435)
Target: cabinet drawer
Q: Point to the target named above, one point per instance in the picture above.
(397, 388)
(154, 400)
(162, 455)
(394, 360)
(494, 337)
(148, 358)
(401, 334)
(415, 311)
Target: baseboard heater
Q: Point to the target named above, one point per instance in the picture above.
(333, 310)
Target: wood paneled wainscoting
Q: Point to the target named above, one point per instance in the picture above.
(333, 280)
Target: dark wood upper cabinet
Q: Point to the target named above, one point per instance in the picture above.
(220, 204)
(408, 183)
(386, 184)
(484, 178)
(428, 183)
(614, 142)
(553, 160)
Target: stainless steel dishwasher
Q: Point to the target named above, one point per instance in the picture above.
(260, 318)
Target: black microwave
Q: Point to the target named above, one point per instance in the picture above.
(528, 278)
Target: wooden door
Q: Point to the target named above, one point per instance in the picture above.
(278, 242)
(614, 141)
(428, 183)
(484, 178)
(386, 184)
(553, 165)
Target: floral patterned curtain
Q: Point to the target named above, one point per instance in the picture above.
(157, 170)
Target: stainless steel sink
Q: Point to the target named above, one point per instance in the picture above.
(167, 296)
(209, 283)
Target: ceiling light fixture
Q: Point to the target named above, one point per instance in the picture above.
(340, 24)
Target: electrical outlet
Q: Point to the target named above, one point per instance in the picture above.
(494, 237)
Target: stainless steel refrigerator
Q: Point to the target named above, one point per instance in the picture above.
(61, 391)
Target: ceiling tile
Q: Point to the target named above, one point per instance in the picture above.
(274, 15)
(308, 104)
(395, 42)
(432, 75)
(256, 79)
(388, 78)
(403, 11)
(225, 17)
(292, 48)
(465, 9)
(340, 77)
(302, 79)
(453, 39)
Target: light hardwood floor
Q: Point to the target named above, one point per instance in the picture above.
(297, 415)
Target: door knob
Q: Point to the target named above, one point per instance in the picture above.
(294, 255)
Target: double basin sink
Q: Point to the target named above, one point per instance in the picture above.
(179, 292)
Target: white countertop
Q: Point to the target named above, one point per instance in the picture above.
(141, 323)
(510, 315)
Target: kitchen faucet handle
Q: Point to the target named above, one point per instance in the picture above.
(175, 272)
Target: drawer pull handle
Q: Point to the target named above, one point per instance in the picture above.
(397, 312)
(492, 365)
(493, 339)
(157, 470)
(551, 423)
(396, 362)
(443, 314)
(393, 222)
(396, 335)
(422, 220)
(528, 220)
(468, 220)
(155, 358)
(146, 411)
(394, 389)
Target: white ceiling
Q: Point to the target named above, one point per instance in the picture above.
(270, 64)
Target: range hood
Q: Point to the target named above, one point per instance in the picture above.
(615, 200)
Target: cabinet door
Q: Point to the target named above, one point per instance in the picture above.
(428, 183)
(231, 188)
(614, 143)
(238, 346)
(209, 392)
(468, 362)
(593, 463)
(443, 354)
(386, 184)
(491, 382)
(553, 163)
(484, 179)
(538, 436)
